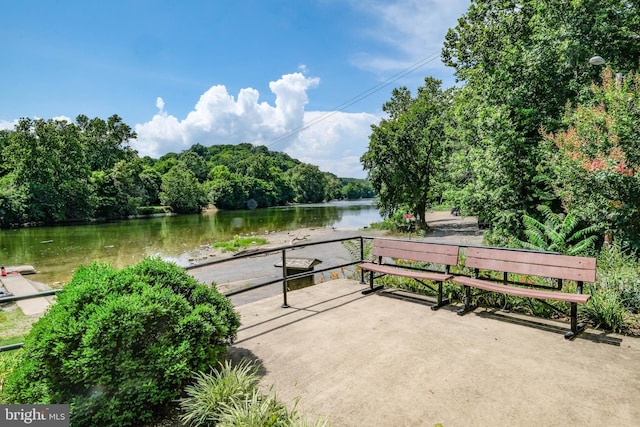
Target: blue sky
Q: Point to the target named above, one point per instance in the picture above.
(269, 72)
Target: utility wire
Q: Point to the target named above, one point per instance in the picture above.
(377, 88)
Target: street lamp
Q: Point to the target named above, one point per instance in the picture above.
(599, 60)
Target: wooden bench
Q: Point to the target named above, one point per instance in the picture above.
(552, 266)
(434, 253)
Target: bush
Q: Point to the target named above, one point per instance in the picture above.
(225, 386)
(230, 397)
(119, 346)
(605, 309)
(8, 362)
(618, 270)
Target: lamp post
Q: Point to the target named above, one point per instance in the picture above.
(599, 60)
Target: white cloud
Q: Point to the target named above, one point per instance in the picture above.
(7, 125)
(4, 124)
(413, 29)
(62, 119)
(333, 141)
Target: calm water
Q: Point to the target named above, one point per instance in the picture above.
(57, 251)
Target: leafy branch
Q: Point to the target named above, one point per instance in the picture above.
(558, 233)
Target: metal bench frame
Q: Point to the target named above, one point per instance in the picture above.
(433, 253)
(548, 265)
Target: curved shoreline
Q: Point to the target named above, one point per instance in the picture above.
(444, 227)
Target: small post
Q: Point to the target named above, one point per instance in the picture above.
(284, 278)
(361, 258)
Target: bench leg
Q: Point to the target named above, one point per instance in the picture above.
(441, 302)
(371, 289)
(576, 328)
(467, 302)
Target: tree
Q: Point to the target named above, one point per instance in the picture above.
(521, 62)
(48, 159)
(181, 191)
(106, 143)
(597, 159)
(13, 202)
(406, 152)
(151, 181)
(196, 164)
(225, 189)
(308, 183)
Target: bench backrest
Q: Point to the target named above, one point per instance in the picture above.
(418, 251)
(580, 269)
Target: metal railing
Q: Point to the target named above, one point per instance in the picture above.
(14, 298)
(285, 278)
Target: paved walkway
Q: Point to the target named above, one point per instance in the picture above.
(381, 360)
(18, 286)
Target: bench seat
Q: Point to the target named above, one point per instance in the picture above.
(386, 250)
(522, 292)
(398, 271)
(552, 266)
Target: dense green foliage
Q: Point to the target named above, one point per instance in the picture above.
(532, 121)
(407, 152)
(55, 171)
(520, 63)
(558, 233)
(597, 159)
(119, 346)
(538, 141)
(229, 396)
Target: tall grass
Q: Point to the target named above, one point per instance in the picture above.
(230, 397)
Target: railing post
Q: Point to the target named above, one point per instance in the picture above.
(284, 278)
(361, 258)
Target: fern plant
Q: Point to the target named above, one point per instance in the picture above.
(558, 233)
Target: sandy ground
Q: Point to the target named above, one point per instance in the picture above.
(444, 227)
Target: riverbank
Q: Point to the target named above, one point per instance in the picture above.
(443, 227)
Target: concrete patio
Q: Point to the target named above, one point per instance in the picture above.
(388, 360)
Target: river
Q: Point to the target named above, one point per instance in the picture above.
(56, 252)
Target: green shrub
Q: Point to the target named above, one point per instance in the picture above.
(605, 309)
(119, 346)
(618, 269)
(225, 386)
(558, 233)
(230, 397)
(8, 361)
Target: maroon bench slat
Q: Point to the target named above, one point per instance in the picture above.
(522, 292)
(532, 263)
(418, 251)
(553, 266)
(397, 271)
(433, 253)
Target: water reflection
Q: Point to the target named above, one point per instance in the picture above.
(57, 251)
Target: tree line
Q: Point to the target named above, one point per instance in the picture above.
(536, 120)
(54, 171)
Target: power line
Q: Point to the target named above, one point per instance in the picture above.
(341, 107)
